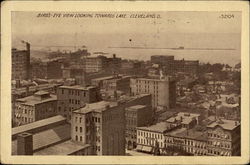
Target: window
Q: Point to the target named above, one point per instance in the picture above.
(80, 138)
(76, 138)
(98, 120)
(80, 119)
(62, 91)
(76, 129)
(80, 129)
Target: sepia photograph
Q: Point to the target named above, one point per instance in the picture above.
(126, 83)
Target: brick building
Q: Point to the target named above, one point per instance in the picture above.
(224, 138)
(71, 98)
(39, 106)
(20, 60)
(49, 137)
(101, 125)
(162, 90)
(113, 83)
(136, 116)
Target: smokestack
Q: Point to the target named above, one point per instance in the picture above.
(25, 144)
(28, 59)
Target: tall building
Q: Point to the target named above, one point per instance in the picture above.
(71, 98)
(102, 125)
(187, 66)
(136, 116)
(39, 106)
(162, 90)
(20, 63)
(171, 65)
(95, 64)
(224, 138)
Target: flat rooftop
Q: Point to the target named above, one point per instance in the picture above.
(111, 77)
(159, 127)
(47, 138)
(78, 87)
(191, 134)
(35, 99)
(137, 107)
(184, 116)
(64, 148)
(37, 124)
(225, 124)
(96, 107)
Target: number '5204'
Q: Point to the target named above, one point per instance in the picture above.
(226, 16)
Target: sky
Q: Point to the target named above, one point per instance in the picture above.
(170, 29)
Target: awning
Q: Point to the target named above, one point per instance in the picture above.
(139, 147)
(147, 148)
(221, 153)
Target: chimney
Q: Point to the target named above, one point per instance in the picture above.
(114, 55)
(24, 144)
(28, 59)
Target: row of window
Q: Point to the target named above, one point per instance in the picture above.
(219, 144)
(150, 142)
(151, 135)
(72, 101)
(219, 136)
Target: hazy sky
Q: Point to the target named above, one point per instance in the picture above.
(172, 29)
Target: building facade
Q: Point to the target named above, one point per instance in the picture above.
(136, 116)
(102, 126)
(71, 98)
(224, 138)
(162, 90)
(39, 106)
(20, 63)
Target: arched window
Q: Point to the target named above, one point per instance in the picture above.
(76, 138)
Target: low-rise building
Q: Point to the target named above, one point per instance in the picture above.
(186, 141)
(187, 120)
(39, 106)
(113, 83)
(49, 136)
(224, 138)
(148, 137)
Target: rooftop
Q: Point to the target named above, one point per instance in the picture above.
(65, 148)
(225, 124)
(38, 98)
(96, 107)
(192, 134)
(137, 107)
(111, 77)
(78, 87)
(48, 137)
(185, 117)
(159, 127)
(37, 124)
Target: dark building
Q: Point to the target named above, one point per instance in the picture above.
(20, 63)
(161, 59)
(136, 116)
(171, 66)
(71, 98)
